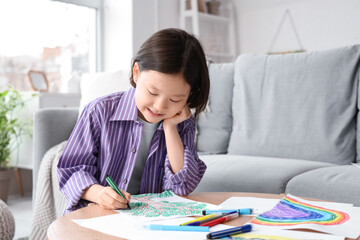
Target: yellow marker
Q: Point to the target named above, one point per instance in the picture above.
(203, 218)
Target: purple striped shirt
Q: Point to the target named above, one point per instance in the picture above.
(105, 142)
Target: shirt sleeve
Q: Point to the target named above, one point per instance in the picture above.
(77, 164)
(187, 179)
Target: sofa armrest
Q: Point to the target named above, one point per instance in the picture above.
(51, 127)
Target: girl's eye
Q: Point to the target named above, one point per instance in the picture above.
(154, 94)
(174, 101)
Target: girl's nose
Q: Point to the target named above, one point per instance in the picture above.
(160, 105)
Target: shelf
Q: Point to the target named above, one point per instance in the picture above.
(222, 55)
(22, 166)
(216, 33)
(208, 17)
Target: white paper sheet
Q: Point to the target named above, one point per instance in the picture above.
(263, 204)
(132, 228)
(278, 234)
(349, 228)
(259, 205)
(167, 209)
(165, 205)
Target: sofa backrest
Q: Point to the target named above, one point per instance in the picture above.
(301, 105)
(214, 125)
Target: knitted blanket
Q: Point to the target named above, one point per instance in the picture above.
(48, 196)
(7, 222)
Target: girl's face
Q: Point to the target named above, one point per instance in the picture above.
(158, 95)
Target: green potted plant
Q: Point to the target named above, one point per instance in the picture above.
(11, 128)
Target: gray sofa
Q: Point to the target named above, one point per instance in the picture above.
(274, 124)
(286, 124)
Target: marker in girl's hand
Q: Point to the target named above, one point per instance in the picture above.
(115, 187)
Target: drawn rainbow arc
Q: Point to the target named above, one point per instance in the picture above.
(290, 211)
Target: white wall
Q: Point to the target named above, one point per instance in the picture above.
(151, 16)
(168, 14)
(128, 23)
(117, 34)
(143, 21)
(321, 24)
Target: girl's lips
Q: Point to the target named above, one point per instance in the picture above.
(154, 114)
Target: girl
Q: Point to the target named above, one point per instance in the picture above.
(143, 138)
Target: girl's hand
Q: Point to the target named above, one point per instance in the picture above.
(109, 199)
(181, 116)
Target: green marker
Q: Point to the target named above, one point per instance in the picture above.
(113, 185)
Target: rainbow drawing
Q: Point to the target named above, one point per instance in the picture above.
(254, 236)
(290, 211)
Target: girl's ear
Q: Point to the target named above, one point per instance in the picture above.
(136, 72)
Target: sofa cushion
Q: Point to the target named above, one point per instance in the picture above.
(215, 124)
(358, 123)
(300, 105)
(238, 173)
(337, 183)
(101, 84)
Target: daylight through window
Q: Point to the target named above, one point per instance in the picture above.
(43, 35)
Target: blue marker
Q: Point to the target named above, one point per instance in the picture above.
(177, 228)
(230, 231)
(243, 211)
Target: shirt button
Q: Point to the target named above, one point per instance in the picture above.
(124, 180)
(133, 150)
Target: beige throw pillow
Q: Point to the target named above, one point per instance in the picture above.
(101, 84)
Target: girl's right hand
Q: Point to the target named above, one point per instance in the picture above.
(106, 197)
(109, 199)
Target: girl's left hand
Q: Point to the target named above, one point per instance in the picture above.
(181, 116)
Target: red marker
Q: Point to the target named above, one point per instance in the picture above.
(220, 220)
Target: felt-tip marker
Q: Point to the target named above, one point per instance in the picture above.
(221, 220)
(116, 189)
(230, 231)
(200, 223)
(242, 211)
(176, 228)
(202, 218)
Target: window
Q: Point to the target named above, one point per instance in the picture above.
(56, 37)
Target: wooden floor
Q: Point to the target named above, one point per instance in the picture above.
(21, 208)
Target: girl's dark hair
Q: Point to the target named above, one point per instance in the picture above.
(173, 51)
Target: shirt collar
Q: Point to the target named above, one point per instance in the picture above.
(126, 109)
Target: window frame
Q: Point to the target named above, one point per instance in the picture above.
(98, 6)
